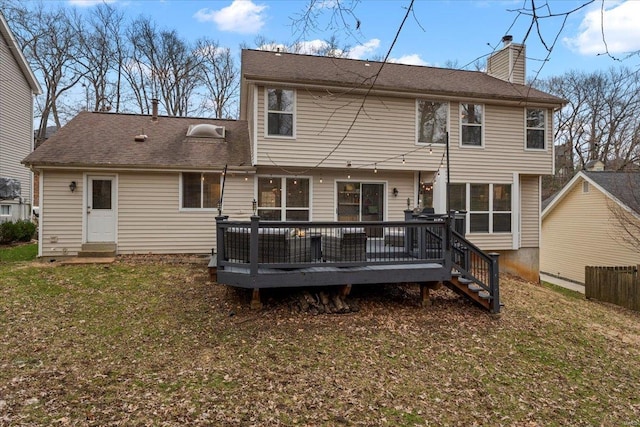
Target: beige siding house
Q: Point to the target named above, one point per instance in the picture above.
(580, 226)
(147, 184)
(368, 140)
(18, 86)
(326, 139)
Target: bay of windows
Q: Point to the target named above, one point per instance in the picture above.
(535, 128)
(488, 206)
(280, 109)
(432, 121)
(283, 199)
(200, 190)
(471, 124)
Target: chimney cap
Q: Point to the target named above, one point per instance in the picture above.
(507, 39)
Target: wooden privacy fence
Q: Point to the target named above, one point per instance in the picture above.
(617, 285)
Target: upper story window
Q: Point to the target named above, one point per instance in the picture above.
(472, 118)
(280, 112)
(536, 128)
(432, 121)
(200, 190)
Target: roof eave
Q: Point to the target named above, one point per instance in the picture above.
(450, 95)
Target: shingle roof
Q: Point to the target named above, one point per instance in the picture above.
(624, 186)
(319, 70)
(107, 140)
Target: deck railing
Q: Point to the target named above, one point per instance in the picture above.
(287, 245)
(474, 264)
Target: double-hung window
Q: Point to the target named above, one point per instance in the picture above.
(471, 121)
(536, 128)
(432, 121)
(283, 199)
(5, 210)
(200, 190)
(488, 206)
(280, 112)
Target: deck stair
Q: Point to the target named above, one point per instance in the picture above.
(469, 289)
(97, 250)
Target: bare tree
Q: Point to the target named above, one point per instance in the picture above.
(172, 67)
(100, 55)
(50, 44)
(600, 119)
(627, 218)
(220, 78)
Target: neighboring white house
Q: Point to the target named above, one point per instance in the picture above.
(18, 86)
(327, 139)
(580, 225)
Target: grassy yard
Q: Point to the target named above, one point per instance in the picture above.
(148, 341)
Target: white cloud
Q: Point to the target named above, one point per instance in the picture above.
(364, 50)
(241, 16)
(413, 59)
(621, 24)
(87, 3)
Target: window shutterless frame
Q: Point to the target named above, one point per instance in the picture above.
(471, 125)
(535, 123)
(280, 113)
(432, 121)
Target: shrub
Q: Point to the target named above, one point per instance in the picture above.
(19, 231)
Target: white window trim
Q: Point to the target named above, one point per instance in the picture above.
(490, 212)
(482, 138)
(180, 187)
(545, 148)
(283, 208)
(438, 144)
(266, 113)
(5, 215)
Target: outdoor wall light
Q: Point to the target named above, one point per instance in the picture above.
(73, 186)
(395, 192)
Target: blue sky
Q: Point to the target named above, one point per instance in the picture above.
(438, 32)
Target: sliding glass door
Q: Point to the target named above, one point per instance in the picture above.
(360, 201)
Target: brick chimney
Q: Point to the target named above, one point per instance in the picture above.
(509, 62)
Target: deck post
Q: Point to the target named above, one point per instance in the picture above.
(253, 245)
(220, 230)
(495, 283)
(408, 232)
(344, 291)
(256, 303)
(425, 301)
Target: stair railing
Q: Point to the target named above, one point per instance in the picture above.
(474, 264)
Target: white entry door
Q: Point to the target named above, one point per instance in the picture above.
(101, 214)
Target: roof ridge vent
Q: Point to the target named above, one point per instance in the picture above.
(206, 130)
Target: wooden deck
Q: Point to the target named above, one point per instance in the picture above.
(257, 255)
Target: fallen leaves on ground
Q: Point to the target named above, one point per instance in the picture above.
(149, 341)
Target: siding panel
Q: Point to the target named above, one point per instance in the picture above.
(386, 129)
(530, 214)
(16, 117)
(580, 231)
(61, 214)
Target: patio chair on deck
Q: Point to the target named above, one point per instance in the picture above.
(345, 244)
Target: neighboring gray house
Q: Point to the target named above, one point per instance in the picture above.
(18, 86)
